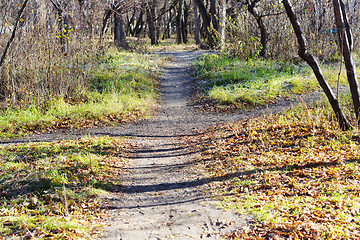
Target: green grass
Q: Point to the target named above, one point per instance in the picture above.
(232, 81)
(122, 87)
(296, 173)
(54, 190)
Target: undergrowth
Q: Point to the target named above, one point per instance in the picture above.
(295, 173)
(55, 190)
(233, 81)
(120, 86)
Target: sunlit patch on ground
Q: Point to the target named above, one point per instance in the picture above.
(56, 190)
(296, 173)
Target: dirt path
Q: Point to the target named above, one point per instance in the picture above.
(176, 116)
(164, 195)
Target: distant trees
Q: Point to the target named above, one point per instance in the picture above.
(252, 27)
(54, 31)
(117, 8)
(252, 7)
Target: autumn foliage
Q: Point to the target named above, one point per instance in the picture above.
(297, 177)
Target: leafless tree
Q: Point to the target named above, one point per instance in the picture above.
(312, 62)
(196, 23)
(222, 22)
(346, 44)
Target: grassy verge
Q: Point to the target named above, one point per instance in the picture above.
(295, 173)
(54, 190)
(120, 86)
(232, 82)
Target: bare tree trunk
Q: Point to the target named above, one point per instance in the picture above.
(139, 24)
(167, 25)
(206, 22)
(119, 33)
(86, 21)
(311, 61)
(184, 23)
(3, 88)
(104, 24)
(222, 22)
(82, 18)
(196, 23)
(90, 25)
(130, 22)
(317, 16)
(263, 33)
(345, 41)
(213, 12)
(151, 22)
(13, 34)
(62, 24)
(178, 21)
(347, 25)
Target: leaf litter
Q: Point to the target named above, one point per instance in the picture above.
(296, 173)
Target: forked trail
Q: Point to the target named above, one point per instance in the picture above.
(165, 197)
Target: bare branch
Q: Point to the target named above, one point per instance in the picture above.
(13, 34)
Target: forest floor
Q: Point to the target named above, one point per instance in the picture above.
(164, 196)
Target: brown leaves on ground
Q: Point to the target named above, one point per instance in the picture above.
(56, 190)
(299, 178)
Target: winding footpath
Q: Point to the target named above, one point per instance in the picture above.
(164, 195)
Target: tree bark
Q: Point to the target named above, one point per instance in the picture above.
(151, 22)
(263, 33)
(82, 17)
(347, 25)
(222, 22)
(178, 22)
(196, 23)
(62, 25)
(167, 23)
(105, 21)
(130, 30)
(213, 12)
(345, 41)
(184, 23)
(139, 24)
(206, 22)
(119, 33)
(311, 61)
